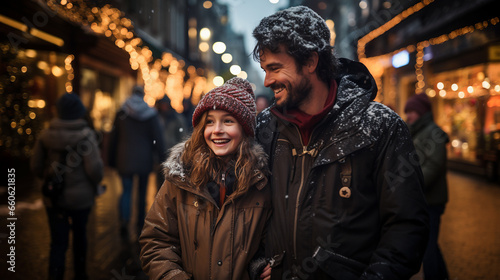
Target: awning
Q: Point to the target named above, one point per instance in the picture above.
(438, 18)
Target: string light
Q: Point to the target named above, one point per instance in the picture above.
(371, 62)
(419, 63)
(111, 23)
(389, 25)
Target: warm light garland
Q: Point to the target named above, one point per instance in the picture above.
(372, 62)
(111, 23)
(419, 63)
(389, 25)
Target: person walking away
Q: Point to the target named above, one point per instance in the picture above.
(68, 150)
(188, 113)
(347, 192)
(135, 141)
(430, 142)
(173, 127)
(208, 218)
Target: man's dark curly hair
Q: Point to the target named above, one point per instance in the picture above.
(302, 31)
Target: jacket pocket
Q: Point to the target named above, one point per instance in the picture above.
(249, 224)
(338, 266)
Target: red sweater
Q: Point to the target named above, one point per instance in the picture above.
(306, 122)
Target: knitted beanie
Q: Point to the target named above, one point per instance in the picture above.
(419, 103)
(70, 107)
(138, 90)
(235, 97)
(299, 24)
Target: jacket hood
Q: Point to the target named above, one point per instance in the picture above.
(66, 133)
(136, 108)
(355, 120)
(356, 89)
(174, 169)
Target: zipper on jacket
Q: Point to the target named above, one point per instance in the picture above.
(305, 148)
(313, 153)
(297, 209)
(196, 229)
(298, 196)
(222, 190)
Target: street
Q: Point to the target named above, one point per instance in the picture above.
(470, 229)
(469, 232)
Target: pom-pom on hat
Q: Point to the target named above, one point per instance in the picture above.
(236, 97)
(419, 103)
(70, 107)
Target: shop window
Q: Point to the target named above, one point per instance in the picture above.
(98, 94)
(30, 83)
(459, 120)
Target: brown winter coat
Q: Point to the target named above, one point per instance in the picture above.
(187, 236)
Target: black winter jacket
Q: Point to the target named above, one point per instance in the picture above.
(349, 205)
(430, 143)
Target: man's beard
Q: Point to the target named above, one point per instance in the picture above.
(296, 96)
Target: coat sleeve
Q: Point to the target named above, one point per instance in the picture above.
(160, 244)
(157, 136)
(92, 160)
(259, 261)
(37, 161)
(402, 206)
(432, 155)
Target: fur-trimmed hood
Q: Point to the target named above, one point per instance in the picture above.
(175, 170)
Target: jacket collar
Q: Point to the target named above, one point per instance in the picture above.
(419, 124)
(174, 168)
(352, 123)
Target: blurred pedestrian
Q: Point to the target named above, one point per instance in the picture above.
(136, 140)
(187, 112)
(261, 103)
(430, 142)
(347, 195)
(208, 218)
(173, 127)
(68, 150)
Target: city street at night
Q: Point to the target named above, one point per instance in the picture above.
(469, 233)
(276, 123)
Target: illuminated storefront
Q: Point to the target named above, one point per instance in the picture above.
(467, 102)
(53, 47)
(456, 62)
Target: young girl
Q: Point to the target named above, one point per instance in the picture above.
(208, 218)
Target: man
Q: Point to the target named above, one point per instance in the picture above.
(430, 143)
(347, 187)
(135, 141)
(173, 128)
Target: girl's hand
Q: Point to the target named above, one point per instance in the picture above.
(266, 273)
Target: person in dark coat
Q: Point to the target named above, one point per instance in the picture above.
(136, 141)
(174, 129)
(430, 142)
(188, 113)
(69, 150)
(347, 188)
